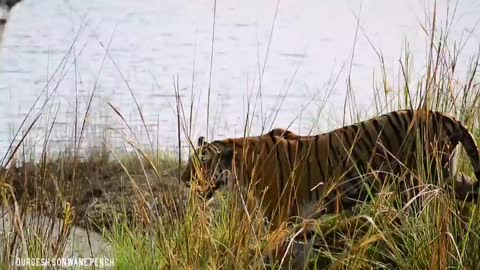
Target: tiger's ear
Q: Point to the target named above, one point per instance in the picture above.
(201, 141)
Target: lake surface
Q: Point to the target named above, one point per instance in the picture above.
(58, 49)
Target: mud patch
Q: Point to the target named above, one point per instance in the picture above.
(100, 192)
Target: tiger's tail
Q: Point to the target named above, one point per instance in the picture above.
(463, 136)
(468, 142)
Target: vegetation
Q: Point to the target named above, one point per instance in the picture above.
(153, 222)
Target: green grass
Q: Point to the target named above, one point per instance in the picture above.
(436, 232)
(153, 222)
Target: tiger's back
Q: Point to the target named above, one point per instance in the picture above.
(336, 167)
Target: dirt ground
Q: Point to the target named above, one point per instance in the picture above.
(99, 191)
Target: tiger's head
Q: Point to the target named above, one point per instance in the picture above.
(211, 165)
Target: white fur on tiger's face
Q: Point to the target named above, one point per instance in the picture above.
(209, 164)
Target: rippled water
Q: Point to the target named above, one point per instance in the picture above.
(59, 47)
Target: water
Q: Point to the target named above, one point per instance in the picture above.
(153, 43)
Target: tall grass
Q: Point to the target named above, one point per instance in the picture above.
(436, 232)
(153, 222)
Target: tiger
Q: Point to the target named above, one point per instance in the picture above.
(190, 167)
(294, 175)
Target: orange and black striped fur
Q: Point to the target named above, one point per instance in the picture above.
(296, 175)
(207, 153)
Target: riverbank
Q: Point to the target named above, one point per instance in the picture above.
(68, 207)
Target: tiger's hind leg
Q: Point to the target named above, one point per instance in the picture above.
(301, 249)
(463, 186)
